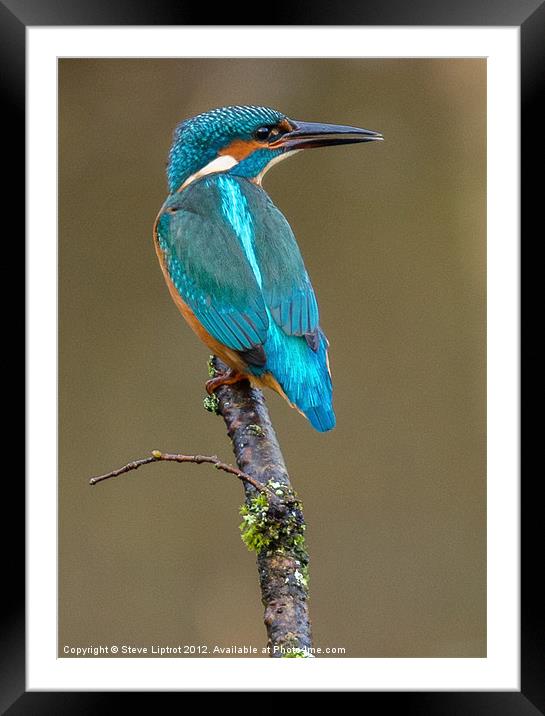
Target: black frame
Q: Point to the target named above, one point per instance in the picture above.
(530, 16)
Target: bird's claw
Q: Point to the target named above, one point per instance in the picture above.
(227, 378)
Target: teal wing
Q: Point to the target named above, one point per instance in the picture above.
(286, 286)
(207, 265)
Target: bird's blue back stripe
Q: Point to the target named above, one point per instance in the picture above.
(235, 209)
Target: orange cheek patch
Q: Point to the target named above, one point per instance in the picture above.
(240, 149)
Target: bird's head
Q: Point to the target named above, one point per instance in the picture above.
(247, 141)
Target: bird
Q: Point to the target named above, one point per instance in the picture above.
(230, 259)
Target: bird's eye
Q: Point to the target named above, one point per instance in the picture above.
(263, 133)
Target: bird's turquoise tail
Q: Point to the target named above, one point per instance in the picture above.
(322, 418)
(303, 374)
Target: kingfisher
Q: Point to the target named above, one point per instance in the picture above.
(231, 261)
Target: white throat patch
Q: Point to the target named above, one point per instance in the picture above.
(220, 164)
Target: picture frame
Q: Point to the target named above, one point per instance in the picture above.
(16, 17)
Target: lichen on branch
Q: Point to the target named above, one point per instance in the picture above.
(264, 527)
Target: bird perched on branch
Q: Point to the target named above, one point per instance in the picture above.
(230, 258)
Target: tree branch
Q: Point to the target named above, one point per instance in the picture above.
(272, 518)
(278, 536)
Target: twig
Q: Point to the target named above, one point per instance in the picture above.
(157, 456)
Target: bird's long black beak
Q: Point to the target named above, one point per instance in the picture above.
(306, 135)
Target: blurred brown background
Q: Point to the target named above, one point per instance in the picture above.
(393, 235)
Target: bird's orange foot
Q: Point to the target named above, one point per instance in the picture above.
(228, 378)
